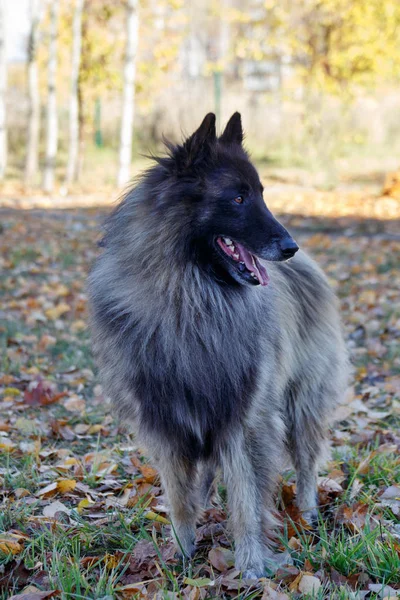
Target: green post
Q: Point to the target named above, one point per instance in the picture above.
(217, 94)
(98, 138)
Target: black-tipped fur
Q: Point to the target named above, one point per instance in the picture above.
(210, 369)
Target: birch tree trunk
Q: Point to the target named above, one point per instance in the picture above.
(32, 145)
(3, 91)
(73, 149)
(128, 100)
(52, 120)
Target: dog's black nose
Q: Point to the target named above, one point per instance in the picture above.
(288, 247)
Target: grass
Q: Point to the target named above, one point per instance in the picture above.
(111, 533)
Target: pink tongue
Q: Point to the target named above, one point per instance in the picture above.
(253, 264)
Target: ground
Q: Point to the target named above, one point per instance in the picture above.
(82, 514)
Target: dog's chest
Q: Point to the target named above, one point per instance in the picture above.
(196, 381)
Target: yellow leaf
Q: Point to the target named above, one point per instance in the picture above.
(56, 312)
(11, 391)
(8, 545)
(111, 561)
(66, 485)
(85, 503)
(152, 516)
(200, 582)
(95, 429)
(70, 461)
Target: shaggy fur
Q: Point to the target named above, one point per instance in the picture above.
(210, 369)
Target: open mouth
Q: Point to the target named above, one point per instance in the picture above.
(246, 264)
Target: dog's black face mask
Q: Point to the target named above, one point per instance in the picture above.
(232, 227)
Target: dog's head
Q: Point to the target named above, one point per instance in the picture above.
(231, 226)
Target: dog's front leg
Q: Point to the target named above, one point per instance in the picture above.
(179, 479)
(247, 503)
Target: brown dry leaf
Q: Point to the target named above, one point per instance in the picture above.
(149, 474)
(295, 544)
(133, 590)
(309, 584)
(221, 559)
(41, 394)
(21, 493)
(88, 561)
(329, 485)
(353, 517)
(33, 593)
(270, 593)
(294, 586)
(288, 493)
(75, 404)
(55, 507)
(391, 499)
(48, 491)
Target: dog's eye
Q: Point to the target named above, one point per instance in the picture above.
(239, 199)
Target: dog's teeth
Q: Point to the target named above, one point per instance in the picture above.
(228, 241)
(236, 256)
(242, 263)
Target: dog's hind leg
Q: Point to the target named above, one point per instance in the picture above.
(307, 412)
(180, 481)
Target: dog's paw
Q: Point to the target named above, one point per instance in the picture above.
(186, 553)
(253, 573)
(185, 542)
(310, 516)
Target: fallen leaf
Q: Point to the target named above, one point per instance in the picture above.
(51, 509)
(49, 490)
(309, 584)
(10, 545)
(200, 582)
(32, 593)
(66, 485)
(155, 517)
(41, 394)
(221, 558)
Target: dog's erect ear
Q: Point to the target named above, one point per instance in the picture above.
(233, 132)
(194, 148)
(205, 134)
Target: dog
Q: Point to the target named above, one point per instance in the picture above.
(219, 342)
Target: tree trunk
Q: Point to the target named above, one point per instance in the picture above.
(52, 120)
(128, 101)
(3, 91)
(32, 146)
(73, 150)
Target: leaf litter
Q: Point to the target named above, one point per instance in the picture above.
(83, 512)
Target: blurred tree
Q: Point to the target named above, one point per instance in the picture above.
(52, 117)
(32, 146)
(73, 148)
(332, 45)
(339, 44)
(126, 132)
(3, 90)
